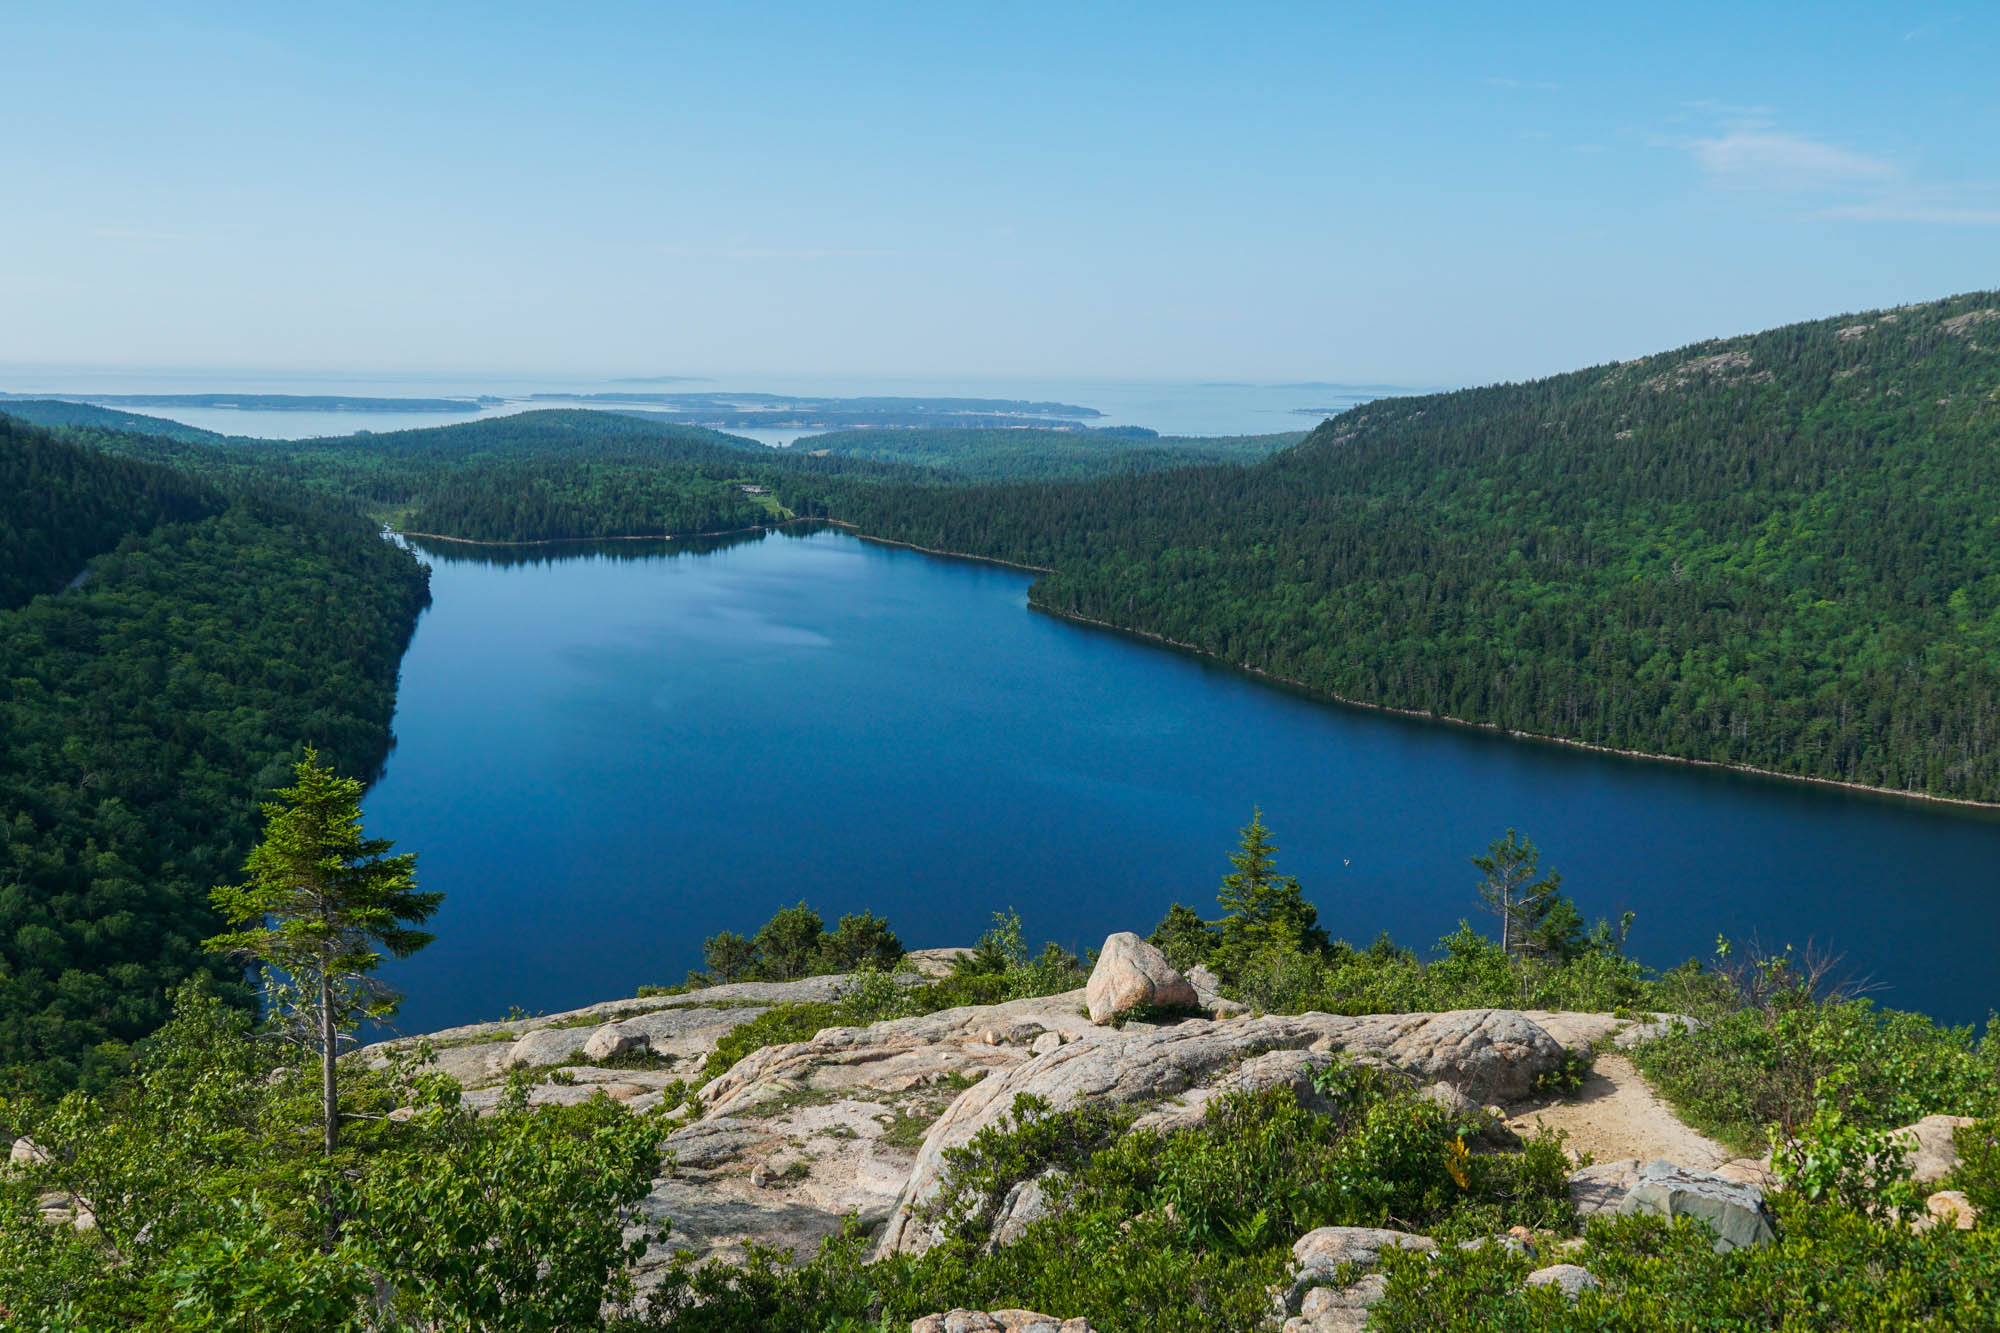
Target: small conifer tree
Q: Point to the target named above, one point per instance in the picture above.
(320, 898)
(1522, 897)
(1263, 908)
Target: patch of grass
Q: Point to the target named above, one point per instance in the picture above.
(791, 1099)
(639, 1059)
(906, 1129)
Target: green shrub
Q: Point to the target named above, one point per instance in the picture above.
(1834, 1269)
(1190, 1228)
(1978, 1172)
(1743, 1073)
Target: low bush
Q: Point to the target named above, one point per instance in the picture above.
(1752, 1075)
(1835, 1268)
(1183, 1229)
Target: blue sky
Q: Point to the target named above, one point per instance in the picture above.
(1404, 193)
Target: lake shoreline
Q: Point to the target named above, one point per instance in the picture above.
(851, 529)
(1419, 714)
(584, 541)
(1313, 691)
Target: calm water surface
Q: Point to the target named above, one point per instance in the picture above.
(604, 757)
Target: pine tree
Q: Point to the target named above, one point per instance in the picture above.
(319, 898)
(1524, 903)
(1261, 906)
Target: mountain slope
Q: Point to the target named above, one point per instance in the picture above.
(1779, 550)
(1041, 455)
(145, 713)
(58, 412)
(60, 505)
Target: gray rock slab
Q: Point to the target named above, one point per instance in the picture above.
(1731, 1209)
(1602, 1186)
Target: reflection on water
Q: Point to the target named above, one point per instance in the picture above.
(557, 552)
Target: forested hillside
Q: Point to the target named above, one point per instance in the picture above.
(535, 476)
(145, 713)
(57, 412)
(1041, 455)
(60, 505)
(1779, 550)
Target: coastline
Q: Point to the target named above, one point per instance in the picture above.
(1317, 692)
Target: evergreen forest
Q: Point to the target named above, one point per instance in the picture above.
(146, 709)
(1776, 550)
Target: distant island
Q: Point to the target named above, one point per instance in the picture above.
(771, 411)
(268, 402)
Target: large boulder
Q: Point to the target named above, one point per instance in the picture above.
(1131, 974)
(1339, 1309)
(1491, 1055)
(1731, 1209)
(547, 1046)
(613, 1040)
(1291, 1070)
(1949, 1208)
(1208, 991)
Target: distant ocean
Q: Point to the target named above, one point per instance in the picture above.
(1169, 407)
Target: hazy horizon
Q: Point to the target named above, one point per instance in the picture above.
(1448, 196)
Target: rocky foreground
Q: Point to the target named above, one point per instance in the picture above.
(856, 1122)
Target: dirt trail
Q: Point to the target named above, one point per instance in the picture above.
(1617, 1116)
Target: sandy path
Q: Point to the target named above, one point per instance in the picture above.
(1617, 1116)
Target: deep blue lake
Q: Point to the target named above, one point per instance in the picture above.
(605, 754)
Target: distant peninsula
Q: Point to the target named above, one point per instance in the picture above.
(268, 402)
(770, 411)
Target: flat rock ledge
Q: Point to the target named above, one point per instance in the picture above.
(1572, 1280)
(796, 1141)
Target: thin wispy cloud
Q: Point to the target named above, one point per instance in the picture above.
(1846, 184)
(1761, 158)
